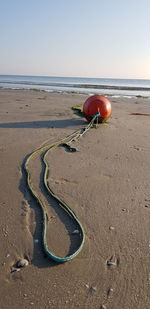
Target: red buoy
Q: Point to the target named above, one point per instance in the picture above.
(97, 104)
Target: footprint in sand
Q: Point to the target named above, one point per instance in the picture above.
(147, 206)
(110, 293)
(26, 216)
(62, 181)
(113, 261)
(2, 149)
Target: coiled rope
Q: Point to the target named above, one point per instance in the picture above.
(44, 150)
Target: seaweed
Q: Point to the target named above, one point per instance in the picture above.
(78, 109)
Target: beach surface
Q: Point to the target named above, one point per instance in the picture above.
(106, 183)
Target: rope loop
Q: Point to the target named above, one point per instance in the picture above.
(44, 150)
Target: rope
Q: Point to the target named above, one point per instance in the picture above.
(44, 150)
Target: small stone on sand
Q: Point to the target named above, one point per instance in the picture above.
(94, 288)
(13, 270)
(125, 210)
(112, 262)
(111, 228)
(87, 286)
(110, 292)
(22, 263)
(103, 307)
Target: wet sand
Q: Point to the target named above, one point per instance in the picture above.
(106, 183)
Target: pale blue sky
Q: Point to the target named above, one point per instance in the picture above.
(87, 38)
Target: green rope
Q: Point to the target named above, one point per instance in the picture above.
(44, 150)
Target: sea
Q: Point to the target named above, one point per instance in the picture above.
(104, 86)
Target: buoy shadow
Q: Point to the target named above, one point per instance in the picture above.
(62, 123)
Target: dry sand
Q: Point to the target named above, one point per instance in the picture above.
(107, 184)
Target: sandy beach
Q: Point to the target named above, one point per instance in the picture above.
(106, 183)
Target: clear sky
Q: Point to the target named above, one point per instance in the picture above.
(87, 38)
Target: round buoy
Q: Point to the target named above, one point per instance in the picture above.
(97, 104)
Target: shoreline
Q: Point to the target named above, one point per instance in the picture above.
(78, 92)
(105, 86)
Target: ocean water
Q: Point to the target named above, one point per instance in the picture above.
(104, 86)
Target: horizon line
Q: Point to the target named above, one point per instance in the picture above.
(75, 76)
